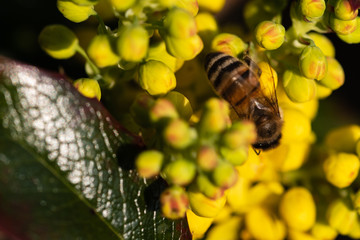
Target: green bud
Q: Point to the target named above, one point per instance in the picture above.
(312, 9)
(342, 27)
(122, 5)
(207, 27)
(247, 129)
(270, 35)
(341, 217)
(353, 37)
(157, 51)
(74, 12)
(207, 188)
(235, 156)
(343, 139)
(148, 163)
(215, 116)
(312, 63)
(156, 77)
(140, 108)
(179, 172)
(189, 5)
(174, 202)
(344, 11)
(88, 87)
(181, 103)
(180, 24)
(335, 76)
(297, 87)
(184, 48)
(224, 175)
(133, 43)
(101, 53)
(178, 134)
(228, 43)
(341, 169)
(85, 2)
(207, 158)
(58, 41)
(162, 109)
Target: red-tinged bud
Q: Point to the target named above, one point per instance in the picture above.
(312, 9)
(353, 37)
(270, 35)
(184, 48)
(174, 202)
(162, 109)
(342, 27)
(215, 116)
(335, 76)
(224, 175)
(133, 43)
(344, 11)
(228, 43)
(179, 23)
(206, 187)
(178, 134)
(207, 158)
(100, 51)
(88, 87)
(312, 63)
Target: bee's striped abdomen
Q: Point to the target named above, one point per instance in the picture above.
(232, 79)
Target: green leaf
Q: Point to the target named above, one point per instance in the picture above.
(66, 166)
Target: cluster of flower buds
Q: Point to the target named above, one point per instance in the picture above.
(197, 161)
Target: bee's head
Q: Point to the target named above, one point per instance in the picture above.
(268, 129)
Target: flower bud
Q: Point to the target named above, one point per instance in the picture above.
(197, 225)
(297, 127)
(235, 156)
(297, 208)
(189, 5)
(212, 5)
(184, 48)
(207, 188)
(207, 158)
(312, 9)
(179, 23)
(343, 138)
(323, 231)
(341, 169)
(74, 12)
(215, 116)
(224, 175)
(344, 11)
(270, 228)
(179, 172)
(312, 63)
(174, 202)
(335, 76)
(58, 41)
(157, 51)
(162, 109)
(298, 88)
(178, 134)
(323, 43)
(341, 26)
(341, 217)
(140, 108)
(133, 43)
(270, 35)
(203, 206)
(85, 2)
(353, 37)
(101, 53)
(228, 43)
(148, 163)
(156, 77)
(181, 103)
(207, 27)
(88, 87)
(122, 5)
(322, 91)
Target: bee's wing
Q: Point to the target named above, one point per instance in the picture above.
(268, 91)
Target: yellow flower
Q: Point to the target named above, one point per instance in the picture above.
(74, 12)
(101, 53)
(88, 87)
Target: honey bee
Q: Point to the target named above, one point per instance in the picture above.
(237, 81)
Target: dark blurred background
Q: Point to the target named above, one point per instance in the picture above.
(22, 20)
